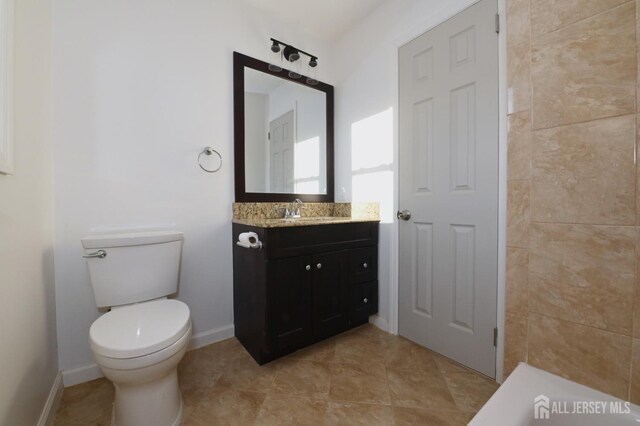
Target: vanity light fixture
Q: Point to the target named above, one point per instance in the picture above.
(293, 56)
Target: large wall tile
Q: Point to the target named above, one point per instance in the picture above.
(550, 15)
(583, 274)
(592, 357)
(586, 70)
(636, 310)
(517, 281)
(585, 173)
(515, 342)
(518, 56)
(518, 213)
(519, 146)
(635, 372)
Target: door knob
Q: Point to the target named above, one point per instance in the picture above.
(365, 300)
(308, 267)
(404, 214)
(319, 266)
(365, 266)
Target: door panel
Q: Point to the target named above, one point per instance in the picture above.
(448, 179)
(281, 136)
(329, 283)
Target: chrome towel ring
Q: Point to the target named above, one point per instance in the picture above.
(209, 151)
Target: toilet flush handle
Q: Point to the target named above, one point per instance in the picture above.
(101, 254)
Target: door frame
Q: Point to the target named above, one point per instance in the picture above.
(449, 10)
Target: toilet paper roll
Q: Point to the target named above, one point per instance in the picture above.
(248, 238)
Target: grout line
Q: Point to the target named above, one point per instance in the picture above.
(580, 121)
(538, 222)
(581, 20)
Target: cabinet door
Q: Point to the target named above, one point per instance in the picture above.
(288, 302)
(330, 297)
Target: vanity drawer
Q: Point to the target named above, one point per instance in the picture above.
(305, 240)
(363, 264)
(363, 302)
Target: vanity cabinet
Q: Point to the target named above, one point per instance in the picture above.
(307, 283)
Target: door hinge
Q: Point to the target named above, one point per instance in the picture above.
(495, 337)
(269, 135)
(498, 23)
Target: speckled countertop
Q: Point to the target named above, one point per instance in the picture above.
(269, 215)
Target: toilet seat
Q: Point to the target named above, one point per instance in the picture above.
(138, 330)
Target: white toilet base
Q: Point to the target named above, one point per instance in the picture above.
(149, 395)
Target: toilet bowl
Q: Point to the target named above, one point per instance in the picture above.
(140, 341)
(138, 348)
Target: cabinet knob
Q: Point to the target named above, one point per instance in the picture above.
(308, 267)
(319, 266)
(365, 266)
(365, 300)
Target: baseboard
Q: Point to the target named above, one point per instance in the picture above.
(48, 415)
(379, 322)
(92, 371)
(81, 374)
(211, 336)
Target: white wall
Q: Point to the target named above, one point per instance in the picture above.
(28, 355)
(140, 87)
(366, 79)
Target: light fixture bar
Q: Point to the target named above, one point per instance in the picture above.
(293, 47)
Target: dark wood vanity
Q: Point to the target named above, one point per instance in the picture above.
(305, 284)
(313, 276)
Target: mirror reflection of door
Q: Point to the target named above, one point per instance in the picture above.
(285, 136)
(281, 151)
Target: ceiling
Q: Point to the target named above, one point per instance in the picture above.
(326, 20)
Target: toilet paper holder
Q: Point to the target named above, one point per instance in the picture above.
(249, 240)
(255, 246)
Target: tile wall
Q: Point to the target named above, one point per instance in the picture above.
(573, 291)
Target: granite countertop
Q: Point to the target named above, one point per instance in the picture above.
(303, 221)
(269, 215)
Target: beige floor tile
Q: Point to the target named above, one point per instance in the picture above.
(245, 374)
(279, 410)
(432, 417)
(221, 384)
(322, 351)
(359, 383)
(354, 414)
(303, 378)
(419, 390)
(88, 403)
(227, 406)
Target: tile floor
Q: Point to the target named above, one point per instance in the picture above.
(362, 377)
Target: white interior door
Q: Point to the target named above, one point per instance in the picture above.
(281, 135)
(448, 117)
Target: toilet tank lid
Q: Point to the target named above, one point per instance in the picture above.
(130, 239)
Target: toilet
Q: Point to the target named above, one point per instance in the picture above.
(140, 340)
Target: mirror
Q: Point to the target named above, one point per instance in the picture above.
(283, 135)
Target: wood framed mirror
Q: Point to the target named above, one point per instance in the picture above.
(283, 135)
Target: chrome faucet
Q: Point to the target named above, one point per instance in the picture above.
(295, 208)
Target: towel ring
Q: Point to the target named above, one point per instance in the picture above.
(209, 151)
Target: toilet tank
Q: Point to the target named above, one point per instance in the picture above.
(137, 266)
